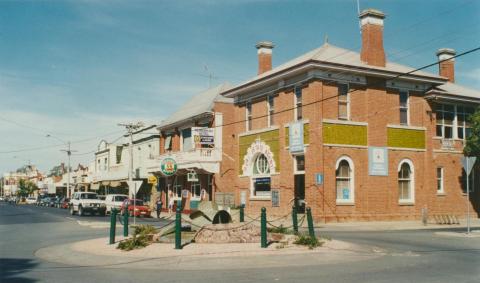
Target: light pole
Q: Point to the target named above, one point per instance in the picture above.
(69, 153)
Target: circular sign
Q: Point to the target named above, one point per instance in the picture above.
(168, 166)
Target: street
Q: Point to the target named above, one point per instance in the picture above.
(407, 256)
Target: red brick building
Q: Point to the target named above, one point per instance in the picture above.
(353, 136)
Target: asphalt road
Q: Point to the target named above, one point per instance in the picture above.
(410, 256)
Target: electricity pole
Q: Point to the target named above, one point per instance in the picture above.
(69, 153)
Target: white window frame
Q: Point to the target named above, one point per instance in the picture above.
(400, 107)
(257, 176)
(441, 190)
(351, 200)
(411, 200)
(176, 185)
(193, 185)
(295, 102)
(271, 110)
(248, 116)
(442, 123)
(182, 148)
(347, 102)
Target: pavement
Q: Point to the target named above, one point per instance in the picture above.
(29, 235)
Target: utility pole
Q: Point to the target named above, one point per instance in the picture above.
(69, 153)
(131, 128)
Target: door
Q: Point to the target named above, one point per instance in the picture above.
(300, 193)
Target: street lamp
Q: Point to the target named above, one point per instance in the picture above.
(69, 153)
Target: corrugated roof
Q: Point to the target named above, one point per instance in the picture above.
(328, 53)
(199, 104)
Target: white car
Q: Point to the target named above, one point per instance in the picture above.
(82, 202)
(114, 201)
(31, 200)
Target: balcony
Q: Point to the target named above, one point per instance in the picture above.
(205, 158)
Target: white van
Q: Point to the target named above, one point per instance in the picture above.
(114, 201)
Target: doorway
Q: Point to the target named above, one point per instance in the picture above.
(299, 193)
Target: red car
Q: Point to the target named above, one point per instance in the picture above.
(138, 208)
(64, 203)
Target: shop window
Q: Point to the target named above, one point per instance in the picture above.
(195, 189)
(298, 103)
(343, 102)
(405, 182)
(187, 143)
(344, 180)
(403, 107)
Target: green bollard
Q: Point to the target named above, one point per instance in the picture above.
(125, 221)
(242, 213)
(263, 227)
(311, 231)
(294, 219)
(178, 229)
(113, 225)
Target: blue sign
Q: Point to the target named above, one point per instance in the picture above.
(377, 161)
(319, 178)
(346, 193)
(295, 137)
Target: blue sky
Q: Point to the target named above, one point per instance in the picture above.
(77, 68)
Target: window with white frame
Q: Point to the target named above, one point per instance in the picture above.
(261, 176)
(298, 103)
(343, 102)
(344, 176)
(271, 110)
(403, 96)
(440, 189)
(248, 113)
(406, 182)
(177, 186)
(168, 142)
(464, 127)
(195, 189)
(445, 115)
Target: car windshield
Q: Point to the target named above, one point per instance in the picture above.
(137, 202)
(120, 198)
(88, 196)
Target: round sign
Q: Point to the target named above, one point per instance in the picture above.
(168, 166)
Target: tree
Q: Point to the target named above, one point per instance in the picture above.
(472, 147)
(26, 188)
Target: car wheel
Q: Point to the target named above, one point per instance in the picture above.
(80, 211)
(72, 210)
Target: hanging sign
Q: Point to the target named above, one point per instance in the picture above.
(377, 161)
(168, 166)
(152, 179)
(295, 137)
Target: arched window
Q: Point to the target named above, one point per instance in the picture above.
(261, 177)
(344, 180)
(405, 182)
(260, 167)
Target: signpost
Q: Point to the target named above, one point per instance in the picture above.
(468, 163)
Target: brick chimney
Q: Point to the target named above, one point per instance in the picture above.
(446, 68)
(264, 50)
(372, 52)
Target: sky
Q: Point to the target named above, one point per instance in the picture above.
(75, 69)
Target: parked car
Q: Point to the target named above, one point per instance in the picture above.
(65, 202)
(114, 201)
(52, 202)
(58, 202)
(136, 207)
(82, 202)
(31, 200)
(44, 201)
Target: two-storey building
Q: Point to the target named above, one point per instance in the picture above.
(352, 135)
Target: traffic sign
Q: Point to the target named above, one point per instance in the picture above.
(468, 163)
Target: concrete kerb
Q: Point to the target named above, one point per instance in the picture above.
(97, 253)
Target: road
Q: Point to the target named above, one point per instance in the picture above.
(410, 256)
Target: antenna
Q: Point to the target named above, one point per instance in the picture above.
(210, 75)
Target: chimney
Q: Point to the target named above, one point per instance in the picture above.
(371, 22)
(446, 68)
(264, 50)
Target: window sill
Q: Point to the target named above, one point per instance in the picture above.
(441, 194)
(260, 198)
(406, 203)
(349, 203)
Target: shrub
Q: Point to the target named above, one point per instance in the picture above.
(144, 230)
(140, 238)
(307, 240)
(280, 230)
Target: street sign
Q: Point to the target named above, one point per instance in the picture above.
(468, 163)
(319, 178)
(168, 166)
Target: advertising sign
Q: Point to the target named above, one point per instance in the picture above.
(295, 137)
(203, 135)
(377, 161)
(152, 179)
(168, 166)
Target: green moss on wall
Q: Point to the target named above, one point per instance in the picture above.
(344, 134)
(406, 138)
(271, 138)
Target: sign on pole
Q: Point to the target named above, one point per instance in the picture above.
(468, 163)
(168, 166)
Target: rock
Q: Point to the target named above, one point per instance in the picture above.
(229, 233)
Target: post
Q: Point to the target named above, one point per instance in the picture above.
(125, 221)
(468, 198)
(242, 213)
(263, 227)
(113, 225)
(69, 153)
(311, 231)
(178, 229)
(294, 219)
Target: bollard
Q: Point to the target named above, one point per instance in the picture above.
(311, 231)
(125, 221)
(113, 225)
(242, 213)
(178, 229)
(294, 219)
(263, 227)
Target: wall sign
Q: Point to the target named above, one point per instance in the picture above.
(319, 178)
(377, 161)
(295, 137)
(168, 166)
(203, 135)
(257, 147)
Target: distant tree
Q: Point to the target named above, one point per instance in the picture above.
(26, 188)
(472, 147)
(58, 170)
